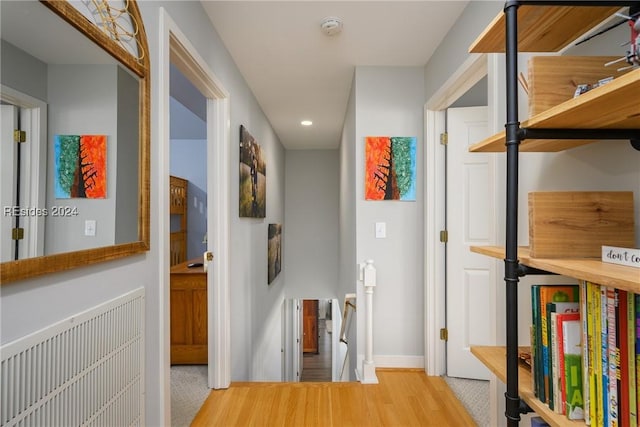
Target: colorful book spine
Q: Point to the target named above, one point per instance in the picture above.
(560, 318)
(538, 422)
(536, 342)
(604, 357)
(573, 369)
(585, 352)
(623, 358)
(593, 336)
(637, 347)
(547, 294)
(631, 355)
(613, 357)
(555, 403)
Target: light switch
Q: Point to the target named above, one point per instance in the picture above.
(90, 227)
(381, 230)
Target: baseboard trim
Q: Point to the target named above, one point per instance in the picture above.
(411, 362)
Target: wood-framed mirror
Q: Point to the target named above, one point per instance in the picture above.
(75, 188)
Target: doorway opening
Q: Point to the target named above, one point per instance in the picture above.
(187, 221)
(24, 167)
(470, 73)
(316, 348)
(311, 347)
(177, 51)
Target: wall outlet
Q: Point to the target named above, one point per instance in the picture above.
(90, 227)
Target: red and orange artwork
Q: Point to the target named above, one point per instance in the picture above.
(390, 168)
(80, 166)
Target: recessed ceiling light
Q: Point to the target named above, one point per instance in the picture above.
(306, 123)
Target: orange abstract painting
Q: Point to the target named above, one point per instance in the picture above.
(80, 166)
(390, 168)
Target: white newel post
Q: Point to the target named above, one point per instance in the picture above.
(368, 366)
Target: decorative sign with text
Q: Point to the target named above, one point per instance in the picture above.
(623, 256)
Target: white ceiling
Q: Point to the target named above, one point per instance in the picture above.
(297, 72)
(36, 30)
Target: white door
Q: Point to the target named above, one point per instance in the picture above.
(469, 222)
(9, 115)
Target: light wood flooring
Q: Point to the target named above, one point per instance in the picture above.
(402, 398)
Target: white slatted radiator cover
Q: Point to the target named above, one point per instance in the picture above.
(85, 370)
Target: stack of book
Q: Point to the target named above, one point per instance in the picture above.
(585, 352)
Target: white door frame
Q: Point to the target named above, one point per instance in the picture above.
(175, 48)
(34, 166)
(468, 74)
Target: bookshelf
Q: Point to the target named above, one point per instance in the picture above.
(606, 107)
(590, 269)
(494, 359)
(543, 28)
(603, 113)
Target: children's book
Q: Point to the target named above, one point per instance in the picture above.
(536, 343)
(636, 298)
(623, 359)
(603, 372)
(573, 369)
(631, 350)
(612, 348)
(562, 384)
(555, 401)
(538, 422)
(593, 345)
(585, 352)
(547, 294)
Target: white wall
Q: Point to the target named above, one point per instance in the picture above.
(389, 101)
(453, 50)
(126, 190)
(311, 223)
(347, 264)
(23, 72)
(79, 106)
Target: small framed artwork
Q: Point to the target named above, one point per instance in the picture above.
(253, 172)
(390, 168)
(80, 166)
(274, 252)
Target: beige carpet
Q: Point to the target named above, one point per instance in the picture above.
(188, 392)
(474, 395)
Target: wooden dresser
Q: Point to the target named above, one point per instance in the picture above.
(188, 314)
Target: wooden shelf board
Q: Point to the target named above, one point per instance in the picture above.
(590, 269)
(542, 28)
(494, 358)
(608, 107)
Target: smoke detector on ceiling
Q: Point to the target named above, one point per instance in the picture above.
(331, 26)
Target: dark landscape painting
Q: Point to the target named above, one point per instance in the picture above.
(253, 174)
(274, 252)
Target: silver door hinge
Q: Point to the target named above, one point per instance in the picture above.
(17, 233)
(444, 138)
(444, 236)
(19, 135)
(444, 334)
